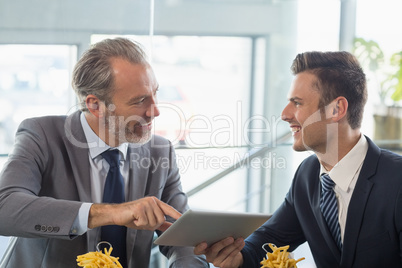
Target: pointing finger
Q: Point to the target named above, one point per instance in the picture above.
(168, 210)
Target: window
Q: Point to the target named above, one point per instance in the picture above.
(204, 98)
(34, 81)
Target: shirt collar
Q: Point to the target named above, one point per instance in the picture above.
(95, 144)
(345, 170)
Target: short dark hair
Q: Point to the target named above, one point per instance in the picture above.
(93, 72)
(338, 74)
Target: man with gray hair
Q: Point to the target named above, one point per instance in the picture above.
(73, 181)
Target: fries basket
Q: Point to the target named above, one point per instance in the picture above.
(99, 259)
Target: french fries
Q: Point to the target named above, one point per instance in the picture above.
(98, 259)
(279, 258)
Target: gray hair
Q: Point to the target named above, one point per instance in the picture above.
(93, 72)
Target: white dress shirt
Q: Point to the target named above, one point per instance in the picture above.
(345, 174)
(98, 172)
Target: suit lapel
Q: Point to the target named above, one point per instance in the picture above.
(77, 150)
(139, 159)
(140, 162)
(358, 203)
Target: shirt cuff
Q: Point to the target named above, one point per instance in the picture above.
(80, 224)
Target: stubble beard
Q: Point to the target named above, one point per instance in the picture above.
(121, 131)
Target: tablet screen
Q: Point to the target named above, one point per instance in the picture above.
(194, 227)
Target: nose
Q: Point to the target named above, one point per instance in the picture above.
(286, 115)
(153, 110)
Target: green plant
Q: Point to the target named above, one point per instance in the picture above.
(369, 54)
(396, 78)
(387, 71)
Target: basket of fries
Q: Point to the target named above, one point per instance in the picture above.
(99, 259)
(279, 257)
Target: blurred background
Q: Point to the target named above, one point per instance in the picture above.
(223, 70)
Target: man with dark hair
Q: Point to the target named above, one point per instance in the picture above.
(345, 201)
(96, 175)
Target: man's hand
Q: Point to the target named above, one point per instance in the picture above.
(225, 253)
(147, 213)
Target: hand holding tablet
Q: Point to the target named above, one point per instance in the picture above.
(194, 227)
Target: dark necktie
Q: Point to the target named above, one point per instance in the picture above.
(114, 193)
(329, 208)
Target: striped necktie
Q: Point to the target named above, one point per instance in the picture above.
(114, 193)
(329, 208)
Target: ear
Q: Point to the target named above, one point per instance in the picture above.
(339, 108)
(95, 106)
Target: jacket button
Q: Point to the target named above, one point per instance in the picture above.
(43, 228)
(37, 227)
(56, 229)
(49, 229)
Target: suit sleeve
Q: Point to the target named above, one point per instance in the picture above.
(398, 220)
(282, 229)
(24, 212)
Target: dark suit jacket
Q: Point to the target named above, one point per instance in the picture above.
(374, 218)
(45, 181)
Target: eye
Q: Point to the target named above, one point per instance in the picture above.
(139, 101)
(155, 94)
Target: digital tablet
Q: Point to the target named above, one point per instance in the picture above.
(194, 227)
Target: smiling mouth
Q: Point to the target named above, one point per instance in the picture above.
(295, 129)
(145, 126)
